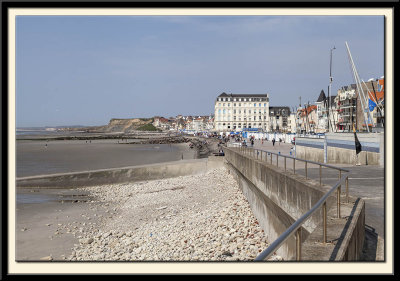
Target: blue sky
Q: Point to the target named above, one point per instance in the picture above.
(85, 70)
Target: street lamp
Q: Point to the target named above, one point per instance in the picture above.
(330, 86)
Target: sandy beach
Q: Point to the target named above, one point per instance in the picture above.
(191, 218)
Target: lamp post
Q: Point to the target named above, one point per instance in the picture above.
(330, 86)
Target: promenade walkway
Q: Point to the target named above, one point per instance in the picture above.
(366, 182)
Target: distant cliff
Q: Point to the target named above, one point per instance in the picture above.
(120, 126)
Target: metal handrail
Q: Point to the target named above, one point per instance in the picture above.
(295, 228)
(296, 225)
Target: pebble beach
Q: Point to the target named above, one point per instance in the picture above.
(188, 218)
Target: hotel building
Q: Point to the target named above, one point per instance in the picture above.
(238, 112)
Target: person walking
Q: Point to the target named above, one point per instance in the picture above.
(273, 142)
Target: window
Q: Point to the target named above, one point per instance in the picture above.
(255, 105)
(259, 104)
(234, 104)
(234, 111)
(219, 110)
(265, 104)
(254, 118)
(239, 104)
(244, 99)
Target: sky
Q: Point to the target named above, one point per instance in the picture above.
(86, 70)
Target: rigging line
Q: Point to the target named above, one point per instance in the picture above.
(370, 95)
(358, 84)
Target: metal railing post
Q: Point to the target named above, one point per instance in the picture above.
(277, 156)
(285, 162)
(305, 168)
(320, 175)
(338, 202)
(298, 244)
(347, 189)
(294, 165)
(271, 157)
(338, 195)
(325, 222)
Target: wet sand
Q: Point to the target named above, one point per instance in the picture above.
(62, 156)
(40, 232)
(48, 221)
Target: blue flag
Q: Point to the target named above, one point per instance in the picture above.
(371, 105)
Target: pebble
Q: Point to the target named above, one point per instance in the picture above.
(188, 218)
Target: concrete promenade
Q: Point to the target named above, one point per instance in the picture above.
(366, 182)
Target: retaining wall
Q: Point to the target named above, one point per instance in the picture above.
(339, 148)
(278, 198)
(121, 175)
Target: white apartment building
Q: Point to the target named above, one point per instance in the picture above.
(278, 118)
(235, 112)
(292, 122)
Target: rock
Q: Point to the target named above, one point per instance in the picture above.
(47, 258)
(86, 240)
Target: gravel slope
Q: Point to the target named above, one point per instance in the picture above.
(190, 218)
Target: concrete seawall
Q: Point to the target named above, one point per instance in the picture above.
(279, 198)
(121, 175)
(339, 148)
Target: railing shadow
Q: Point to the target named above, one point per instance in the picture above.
(370, 247)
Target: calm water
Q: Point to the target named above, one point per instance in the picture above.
(61, 156)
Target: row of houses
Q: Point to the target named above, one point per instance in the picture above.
(346, 111)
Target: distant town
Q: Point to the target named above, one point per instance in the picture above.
(347, 111)
(353, 109)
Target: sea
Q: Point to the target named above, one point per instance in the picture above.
(36, 157)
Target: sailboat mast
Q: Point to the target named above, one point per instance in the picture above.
(360, 90)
